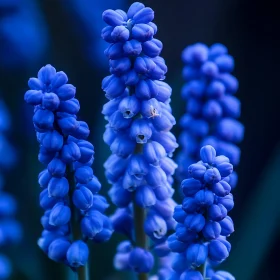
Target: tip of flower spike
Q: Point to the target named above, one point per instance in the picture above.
(207, 154)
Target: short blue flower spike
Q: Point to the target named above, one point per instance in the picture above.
(203, 221)
(73, 208)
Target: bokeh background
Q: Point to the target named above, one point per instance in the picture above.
(66, 33)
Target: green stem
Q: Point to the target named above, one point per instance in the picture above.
(140, 236)
(202, 270)
(82, 272)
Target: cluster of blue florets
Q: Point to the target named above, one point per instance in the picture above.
(10, 229)
(70, 190)
(138, 131)
(212, 108)
(203, 221)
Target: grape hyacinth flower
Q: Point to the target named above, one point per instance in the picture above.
(212, 109)
(10, 229)
(203, 221)
(74, 212)
(138, 132)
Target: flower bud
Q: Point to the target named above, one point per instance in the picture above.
(175, 245)
(197, 254)
(212, 175)
(140, 131)
(132, 48)
(211, 230)
(146, 89)
(145, 15)
(217, 251)
(50, 101)
(194, 222)
(58, 187)
(134, 8)
(93, 185)
(66, 92)
(190, 186)
(33, 97)
(59, 79)
(82, 198)
(92, 224)
(204, 198)
(35, 84)
(185, 235)
(119, 66)
(58, 249)
(44, 178)
(189, 205)
(217, 212)
(227, 226)
(153, 152)
(122, 222)
(46, 202)
(197, 170)
(129, 106)
(119, 196)
(142, 32)
(221, 188)
(122, 146)
(227, 201)
(179, 214)
(52, 141)
(77, 254)
(70, 152)
(84, 174)
(225, 168)
(112, 18)
(191, 274)
(120, 34)
(155, 176)
(60, 215)
(155, 227)
(140, 260)
(152, 48)
(43, 119)
(57, 167)
(145, 196)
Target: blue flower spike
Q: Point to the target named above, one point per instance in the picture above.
(10, 229)
(212, 108)
(74, 212)
(203, 221)
(138, 132)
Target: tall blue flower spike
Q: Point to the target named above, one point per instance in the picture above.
(212, 108)
(138, 132)
(10, 229)
(203, 221)
(74, 212)
(21, 21)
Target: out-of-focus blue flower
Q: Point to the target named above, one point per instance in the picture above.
(212, 108)
(203, 221)
(69, 194)
(23, 33)
(10, 229)
(86, 16)
(138, 132)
